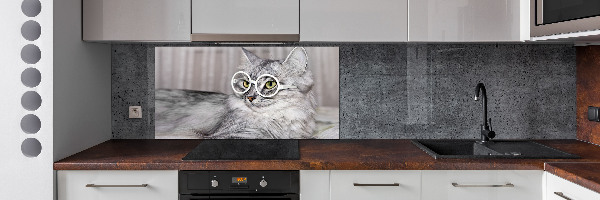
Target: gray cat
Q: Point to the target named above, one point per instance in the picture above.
(272, 99)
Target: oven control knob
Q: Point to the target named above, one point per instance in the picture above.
(214, 183)
(263, 183)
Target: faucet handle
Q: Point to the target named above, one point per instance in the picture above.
(492, 133)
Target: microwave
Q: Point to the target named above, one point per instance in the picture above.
(555, 19)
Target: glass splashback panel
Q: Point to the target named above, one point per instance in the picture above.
(255, 92)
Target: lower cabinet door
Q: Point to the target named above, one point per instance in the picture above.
(560, 189)
(117, 185)
(482, 184)
(314, 184)
(375, 185)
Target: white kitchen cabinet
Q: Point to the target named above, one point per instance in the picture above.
(314, 184)
(468, 20)
(136, 20)
(354, 20)
(243, 20)
(482, 184)
(561, 189)
(117, 184)
(378, 184)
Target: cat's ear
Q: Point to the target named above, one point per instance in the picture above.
(248, 58)
(297, 58)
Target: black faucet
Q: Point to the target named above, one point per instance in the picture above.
(486, 130)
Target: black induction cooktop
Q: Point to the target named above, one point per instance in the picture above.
(240, 149)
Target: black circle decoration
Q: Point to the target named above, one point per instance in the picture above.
(31, 8)
(31, 124)
(31, 147)
(31, 77)
(31, 100)
(31, 30)
(31, 54)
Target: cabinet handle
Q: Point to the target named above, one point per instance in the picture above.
(560, 194)
(505, 185)
(361, 184)
(94, 185)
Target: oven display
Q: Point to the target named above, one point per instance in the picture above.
(239, 180)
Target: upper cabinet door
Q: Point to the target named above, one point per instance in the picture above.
(468, 20)
(136, 20)
(354, 20)
(243, 20)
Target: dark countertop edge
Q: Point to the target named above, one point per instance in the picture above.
(579, 179)
(294, 166)
(94, 159)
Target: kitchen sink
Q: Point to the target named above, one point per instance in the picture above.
(491, 149)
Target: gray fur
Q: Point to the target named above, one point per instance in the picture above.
(186, 112)
(289, 114)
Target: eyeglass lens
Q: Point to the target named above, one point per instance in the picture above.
(241, 82)
(267, 85)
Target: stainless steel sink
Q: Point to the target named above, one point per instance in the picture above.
(491, 149)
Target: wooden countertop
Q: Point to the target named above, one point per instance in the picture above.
(581, 173)
(314, 155)
(332, 155)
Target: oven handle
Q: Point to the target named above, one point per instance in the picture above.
(192, 197)
(250, 197)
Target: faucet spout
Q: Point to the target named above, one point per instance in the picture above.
(486, 133)
(481, 88)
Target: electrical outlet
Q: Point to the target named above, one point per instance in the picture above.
(135, 112)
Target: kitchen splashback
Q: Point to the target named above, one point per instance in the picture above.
(588, 85)
(239, 92)
(407, 90)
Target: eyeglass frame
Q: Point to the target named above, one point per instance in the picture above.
(253, 82)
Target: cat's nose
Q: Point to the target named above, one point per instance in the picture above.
(251, 98)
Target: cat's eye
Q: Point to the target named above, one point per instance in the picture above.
(246, 84)
(270, 84)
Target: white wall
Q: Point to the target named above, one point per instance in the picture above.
(24, 177)
(75, 79)
(82, 84)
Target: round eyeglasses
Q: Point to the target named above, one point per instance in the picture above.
(269, 84)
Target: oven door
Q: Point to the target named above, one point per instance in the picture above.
(236, 197)
(555, 11)
(552, 17)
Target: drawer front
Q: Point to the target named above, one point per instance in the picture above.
(482, 184)
(408, 184)
(162, 185)
(566, 189)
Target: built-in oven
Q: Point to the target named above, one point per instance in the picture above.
(555, 17)
(233, 185)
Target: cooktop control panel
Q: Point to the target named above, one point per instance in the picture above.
(215, 182)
